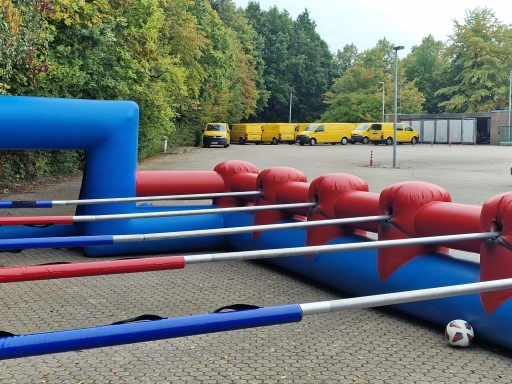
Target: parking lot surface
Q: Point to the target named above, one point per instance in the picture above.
(363, 346)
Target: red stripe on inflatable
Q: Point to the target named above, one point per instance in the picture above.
(95, 268)
(36, 220)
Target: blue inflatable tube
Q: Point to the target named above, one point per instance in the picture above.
(12, 347)
(355, 273)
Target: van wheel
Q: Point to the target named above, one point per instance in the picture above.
(414, 140)
(344, 141)
(389, 141)
(375, 143)
(241, 141)
(312, 141)
(258, 142)
(366, 140)
(205, 145)
(291, 142)
(274, 141)
(301, 144)
(226, 145)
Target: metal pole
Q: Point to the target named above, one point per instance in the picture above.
(383, 99)
(190, 212)
(249, 229)
(396, 49)
(86, 241)
(321, 249)
(404, 297)
(290, 115)
(54, 203)
(109, 267)
(36, 220)
(196, 196)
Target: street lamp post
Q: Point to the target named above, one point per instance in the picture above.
(383, 97)
(290, 114)
(396, 49)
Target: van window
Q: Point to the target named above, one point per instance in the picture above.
(399, 127)
(408, 129)
(362, 127)
(376, 127)
(311, 127)
(215, 127)
(320, 128)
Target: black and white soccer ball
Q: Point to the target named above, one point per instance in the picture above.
(459, 333)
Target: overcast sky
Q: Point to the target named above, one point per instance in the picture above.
(364, 22)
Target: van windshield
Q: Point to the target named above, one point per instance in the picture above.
(311, 127)
(362, 127)
(215, 127)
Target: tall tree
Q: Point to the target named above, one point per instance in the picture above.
(426, 65)
(478, 64)
(345, 58)
(312, 68)
(356, 96)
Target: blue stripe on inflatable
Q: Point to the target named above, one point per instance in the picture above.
(55, 242)
(12, 347)
(5, 204)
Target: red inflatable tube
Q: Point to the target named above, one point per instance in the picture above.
(440, 219)
(356, 204)
(230, 171)
(403, 201)
(268, 182)
(496, 255)
(36, 220)
(244, 182)
(160, 183)
(324, 190)
(293, 192)
(95, 268)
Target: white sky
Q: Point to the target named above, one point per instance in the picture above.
(364, 22)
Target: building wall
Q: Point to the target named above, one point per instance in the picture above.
(498, 119)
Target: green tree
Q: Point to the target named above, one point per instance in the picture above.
(427, 67)
(478, 64)
(274, 28)
(356, 96)
(345, 58)
(312, 69)
(24, 37)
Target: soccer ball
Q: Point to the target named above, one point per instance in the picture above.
(459, 333)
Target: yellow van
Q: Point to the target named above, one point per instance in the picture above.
(382, 133)
(326, 133)
(216, 134)
(246, 133)
(277, 133)
(361, 134)
(299, 127)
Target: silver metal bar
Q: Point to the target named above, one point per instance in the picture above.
(321, 249)
(249, 229)
(197, 196)
(191, 212)
(404, 297)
